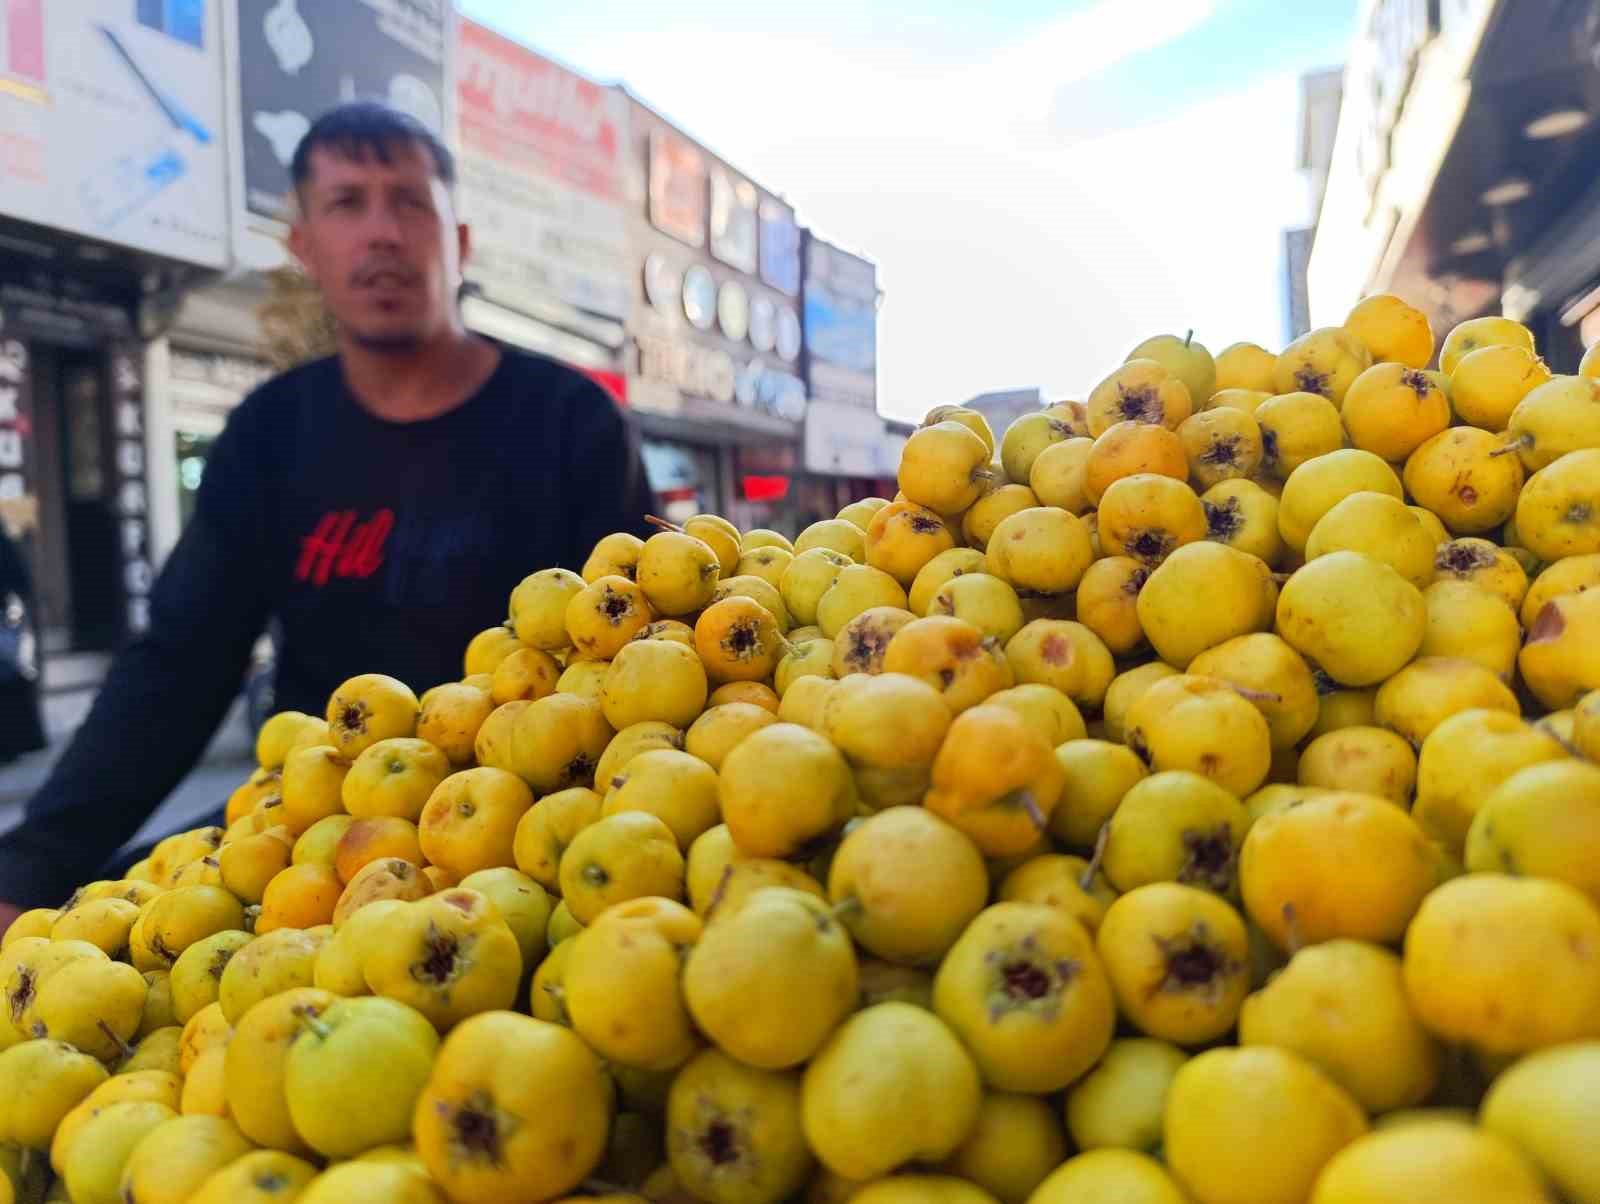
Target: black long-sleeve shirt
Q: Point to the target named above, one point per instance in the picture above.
(378, 546)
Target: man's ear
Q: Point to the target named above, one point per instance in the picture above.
(298, 244)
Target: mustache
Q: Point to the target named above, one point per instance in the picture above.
(370, 270)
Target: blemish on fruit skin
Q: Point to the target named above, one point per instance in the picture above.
(1055, 650)
(1578, 512)
(1416, 382)
(1139, 404)
(1462, 558)
(921, 524)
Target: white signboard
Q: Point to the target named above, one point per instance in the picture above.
(111, 118)
(845, 440)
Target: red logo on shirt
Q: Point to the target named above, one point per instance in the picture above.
(340, 546)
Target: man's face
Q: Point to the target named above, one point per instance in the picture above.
(381, 241)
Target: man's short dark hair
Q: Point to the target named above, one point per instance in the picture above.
(363, 127)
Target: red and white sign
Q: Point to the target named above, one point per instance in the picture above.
(542, 178)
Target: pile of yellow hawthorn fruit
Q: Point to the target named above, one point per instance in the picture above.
(1190, 796)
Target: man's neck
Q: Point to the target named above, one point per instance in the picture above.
(425, 382)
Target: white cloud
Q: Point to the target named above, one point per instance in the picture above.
(1008, 259)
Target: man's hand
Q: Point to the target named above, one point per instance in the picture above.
(8, 912)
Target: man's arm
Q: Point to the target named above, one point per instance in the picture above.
(605, 454)
(165, 693)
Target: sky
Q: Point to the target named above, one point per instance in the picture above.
(1042, 185)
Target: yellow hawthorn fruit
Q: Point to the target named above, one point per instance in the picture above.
(176, 1158)
(1462, 761)
(1119, 1104)
(1558, 511)
(1221, 444)
(782, 788)
(1057, 880)
(906, 884)
(771, 563)
(1460, 476)
(860, 512)
(753, 692)
(769, 981)
(1392, 409)
(857, 588)
(860, 645)
(1440, 1158)
(1342, 1006)
(1065, 655)
(889, 721)
(1371, 760)
(528, 673)
(676, 787)
(985, 601)
(1203, 725)
(1059, 475)
(1129, 449)
(1148, 517)
(487, 649)
(1357, 619)
(1202, 595)
(606, 614)
(1325, 361)
(1246, 400)
(279, 733)
(1097, 776)
(1141, 390)
(677, 573)
(892, 1085)
(1393, 331)
(1107, 602)
(1028, 437)
(1544, 1105)
(1046, 709)
(1378, 526)
(1555, 418)
(1505, 963)
(1244, 366)
(538, 608)
(1340, 864)
(1024, 990)
(733, 1131)
(1244, 516)
(807, 577)
(260, 1177)
(1039, 549)
(944, 467)
(623, 984)
(720, 729)
(368, 708)
(302, 896)
(449, 956)
(661, 681)
(450, 719)
(94, 1165)
(103, 923)
(1481, 563)
(516, 1108)
(1295, 428)
(985, 514)
(838, 534)
(557, 742)
(1323, 482)
(1431, 689)
(367, 840)
(393, 777)
(1480, 332)
(1175, 827)
(313, 785)
(952, 656)
(1176, 957)
(385, 878)
(996, 779)
(1490, 382)
(1544, 822)
(1185, 358)
(1220, 1143)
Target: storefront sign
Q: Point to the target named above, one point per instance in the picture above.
(297, 59)
(841, 325)
(133, 495)
(735, 234)
(542, 177)
(845, 440)
(677, 188)
(111, 123)
(18, 506)
(780, 248)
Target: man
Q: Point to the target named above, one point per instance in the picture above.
(380, 504)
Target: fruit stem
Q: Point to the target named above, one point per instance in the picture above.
(662, 524)
(1023, 797)
(722, 889)
(1095, 858)
(555, 991)
(1513, 446)
(1291, 930)
(848, 906)
(1188, 337)
(123, 1046)
(309, 1020)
